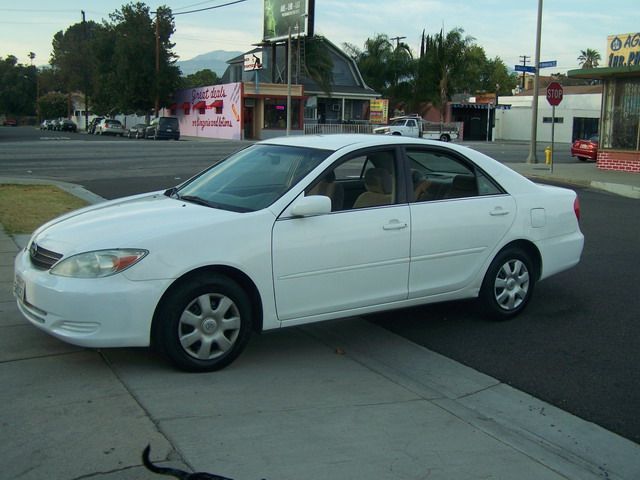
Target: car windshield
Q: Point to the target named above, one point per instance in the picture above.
(253, 178)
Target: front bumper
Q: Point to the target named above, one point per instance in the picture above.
(102, 312)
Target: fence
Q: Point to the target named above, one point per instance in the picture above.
(333, 128)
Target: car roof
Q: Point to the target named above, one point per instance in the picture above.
(339, 141)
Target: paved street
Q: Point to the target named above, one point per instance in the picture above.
(575, 346)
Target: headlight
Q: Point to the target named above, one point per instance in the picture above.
(100, 263)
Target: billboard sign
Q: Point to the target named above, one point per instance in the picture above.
(212, 112)
(253, 61)
(623, 50)
(280, 15)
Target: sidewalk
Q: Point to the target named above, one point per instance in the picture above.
(583, 175)
(337, 400)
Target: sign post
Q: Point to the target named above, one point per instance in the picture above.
(554, 97)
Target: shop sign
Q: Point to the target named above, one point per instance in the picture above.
(379, 111)
(623, 50)
(253, 61)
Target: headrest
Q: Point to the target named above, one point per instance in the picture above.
(378, 180)
(465, 183)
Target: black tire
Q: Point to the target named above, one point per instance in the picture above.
(583, 159)
(508, 284)
(445, 138)
(203, 324)
(397, 134)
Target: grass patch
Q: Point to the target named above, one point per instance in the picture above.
(23, 208)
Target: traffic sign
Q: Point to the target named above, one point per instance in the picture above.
(550, 63)
(554, 94)
(525, 68)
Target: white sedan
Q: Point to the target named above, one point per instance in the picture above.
(291, 231)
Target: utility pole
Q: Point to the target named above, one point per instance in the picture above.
(86, 73)
(524, 59)
(397, 39)
(534, 103)
(157, 104)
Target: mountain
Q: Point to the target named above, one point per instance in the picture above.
(216, 61)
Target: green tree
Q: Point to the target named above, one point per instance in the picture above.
(385, 68)
(201, 78)
(17, 87)
(589, 58)
(53, 105)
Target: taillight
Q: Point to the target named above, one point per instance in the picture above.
(576, 208)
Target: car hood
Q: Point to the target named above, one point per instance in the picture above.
(134, 222)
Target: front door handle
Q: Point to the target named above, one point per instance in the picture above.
(394, 225)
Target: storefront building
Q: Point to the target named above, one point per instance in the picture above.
(619, 146)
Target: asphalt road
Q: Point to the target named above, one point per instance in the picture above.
(575, 346)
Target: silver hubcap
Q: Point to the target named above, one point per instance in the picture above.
(511, 285)
(209, 326)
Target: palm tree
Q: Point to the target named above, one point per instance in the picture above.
(589, 58)
(318, 62)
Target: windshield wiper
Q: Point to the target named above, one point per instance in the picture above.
(197, 200)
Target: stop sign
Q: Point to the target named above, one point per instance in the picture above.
(554, 94)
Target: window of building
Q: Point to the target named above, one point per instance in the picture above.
(275, 113)
(621, 114)
(557, 119)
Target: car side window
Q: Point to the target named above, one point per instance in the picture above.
(436, 175)
(364, 180)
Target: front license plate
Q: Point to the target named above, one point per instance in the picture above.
(169, 130)
(18, 287)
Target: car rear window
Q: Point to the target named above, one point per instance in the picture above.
(113, 123)
(169, 122)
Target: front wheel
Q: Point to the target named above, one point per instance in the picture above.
(445, 138)
(508, 284)
(204, 323)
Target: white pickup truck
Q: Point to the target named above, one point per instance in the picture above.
(416, 127)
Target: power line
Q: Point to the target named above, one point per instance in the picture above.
(194, 4)
(208, 8)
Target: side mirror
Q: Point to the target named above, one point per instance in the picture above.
(311, 205)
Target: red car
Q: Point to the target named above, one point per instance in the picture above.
(10, 122)
(585, 149)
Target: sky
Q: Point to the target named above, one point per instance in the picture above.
(504, 28)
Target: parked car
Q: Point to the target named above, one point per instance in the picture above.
(54, 124)
(93, 124)
(10, 122)
(110, 126)
(137, 131)
(45, 125)
(163, 127)
(66, 125)
(296, 230)
(586, 149)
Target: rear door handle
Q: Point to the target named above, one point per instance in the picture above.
(394, 225)
(498, 212)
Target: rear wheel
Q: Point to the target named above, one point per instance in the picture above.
(445, 138)
(204, 323)
(508, 284)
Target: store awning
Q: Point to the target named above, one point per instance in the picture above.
(186, 106)
(173, 106)
(200, 104)
(216, 104)
(606, 72)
